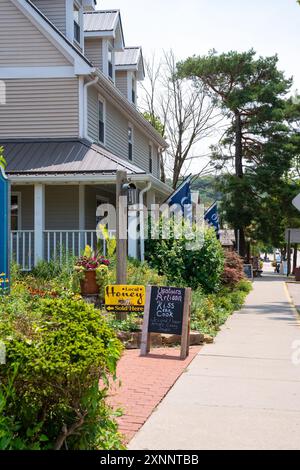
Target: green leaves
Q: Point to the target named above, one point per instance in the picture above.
(61, 347)
(185, 267)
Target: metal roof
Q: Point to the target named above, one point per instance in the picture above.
(101, 20)
(130, 56)
(61, 156)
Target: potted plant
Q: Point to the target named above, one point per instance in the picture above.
(92, 271)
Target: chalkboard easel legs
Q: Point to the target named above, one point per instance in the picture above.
(185, 338)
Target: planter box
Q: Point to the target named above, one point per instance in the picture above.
(88, 285)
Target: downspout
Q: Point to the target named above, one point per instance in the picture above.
(85, 100)
(142, 224)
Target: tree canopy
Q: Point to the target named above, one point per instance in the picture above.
(261, 139)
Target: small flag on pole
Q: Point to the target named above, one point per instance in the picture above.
(211, 216)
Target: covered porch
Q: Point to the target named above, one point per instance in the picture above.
(56, 188)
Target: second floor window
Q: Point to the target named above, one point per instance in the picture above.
(133, 96)
(101, 122)
(130, 143)
(110, 64)
(150, 158)
(77, 31)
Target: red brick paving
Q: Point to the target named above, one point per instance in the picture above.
(144, 381)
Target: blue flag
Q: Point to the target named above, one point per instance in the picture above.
(211, 216)
(182, 195)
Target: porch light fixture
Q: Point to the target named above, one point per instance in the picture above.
(131, 191)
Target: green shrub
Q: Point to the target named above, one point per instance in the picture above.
(138, 274)
(182, 266)
(209, 312)
(56, 352)
(233, 269)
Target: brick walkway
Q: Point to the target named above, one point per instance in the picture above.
(144, 381)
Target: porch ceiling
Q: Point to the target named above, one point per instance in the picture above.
(49, 157)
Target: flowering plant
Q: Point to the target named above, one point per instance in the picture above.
(90, 261)
(4, 283)
(90, 264)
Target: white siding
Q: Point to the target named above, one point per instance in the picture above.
(22, 44)
(93, 114)
(93, 51)
(55, 10)
(40, 108)
(122, 82)
(116, 132)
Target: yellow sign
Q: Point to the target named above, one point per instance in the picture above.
(123, 298)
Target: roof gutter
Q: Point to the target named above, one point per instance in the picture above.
(74, 179)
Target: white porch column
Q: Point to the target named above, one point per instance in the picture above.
(39, 222)
(133, 233)
(81, 207)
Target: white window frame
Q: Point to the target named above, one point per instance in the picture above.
(18, 194)
(103, 101)
(130, 126)
(110, 49)
(150, 146)
(133, 89)
(81, 26)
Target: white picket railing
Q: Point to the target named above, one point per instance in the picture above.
(63, 244)
(58, 244)
(22, 248)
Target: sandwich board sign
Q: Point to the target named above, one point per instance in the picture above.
(4, 229)
(125, 298)
(167, 310)
(248, 271)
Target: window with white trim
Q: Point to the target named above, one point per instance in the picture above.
(150, 158)
(77, 25)
(15, 214)
(130, 143)
(110, 59)
(101, 122)
(133, 92)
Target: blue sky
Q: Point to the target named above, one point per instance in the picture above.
(195, 26)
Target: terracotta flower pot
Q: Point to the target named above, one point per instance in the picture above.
(89, 285)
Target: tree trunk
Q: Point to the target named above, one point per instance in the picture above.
(241, 244)
(238, 146)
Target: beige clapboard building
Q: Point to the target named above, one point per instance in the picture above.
(69, 122)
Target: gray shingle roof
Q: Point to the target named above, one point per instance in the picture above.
(130, 56)
(59, 156)
(100, 20)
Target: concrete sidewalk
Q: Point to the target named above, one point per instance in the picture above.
(243, 392)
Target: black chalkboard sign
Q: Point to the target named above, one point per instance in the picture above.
(248, 271)
(166, 310)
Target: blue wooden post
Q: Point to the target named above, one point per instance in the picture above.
(4, 228)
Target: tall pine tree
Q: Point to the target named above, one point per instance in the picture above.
(260, 139)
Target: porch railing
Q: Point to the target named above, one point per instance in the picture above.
(58, 245)
(22, 248)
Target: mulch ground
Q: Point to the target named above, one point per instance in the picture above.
(142, 384)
